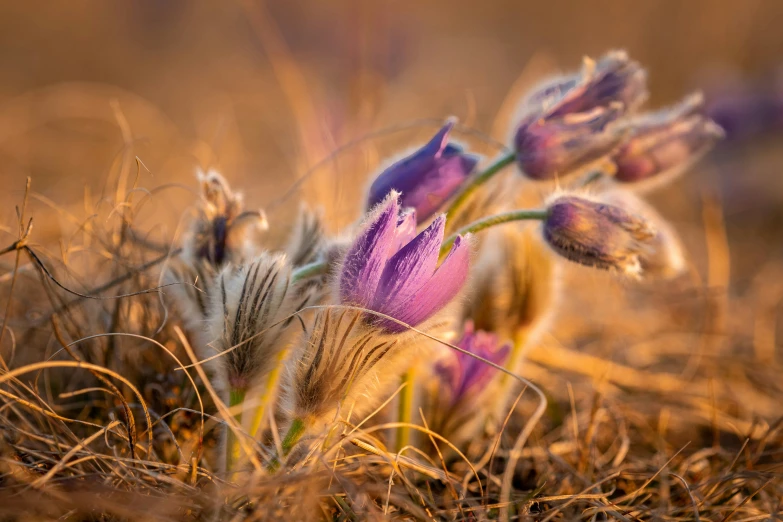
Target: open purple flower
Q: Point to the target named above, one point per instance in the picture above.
(568, 122)
(428, 177)
(390, 271)
(464, 374)
(664, 143)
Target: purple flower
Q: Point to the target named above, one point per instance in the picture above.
(664, 143)
(547, 149)
(597, 234)
(387, 270)
(568, 122)
(428, 177)
(464, 374)
(614, 78)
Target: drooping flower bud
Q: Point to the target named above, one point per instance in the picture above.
(547, 149)
(427, 178)
(665, 143)
(614, 78)
(596, 234)
(665, 257)
(387, 270)
(567, 124)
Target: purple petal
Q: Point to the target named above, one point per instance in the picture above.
(436, 146)
(464, 374)
(367, 256)
(435, 187)
(436, 293)
(406, 229)
(407, 174)
(409, 269)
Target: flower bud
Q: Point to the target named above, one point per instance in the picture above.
(427, 178)
(547, 149)
(664, 143)
(614, 78)
(596, 234)
(665, 257)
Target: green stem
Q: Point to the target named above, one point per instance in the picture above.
(478, 180)
(405, 408)
(292, 436)
(236, 398)
(491, 221)
(309, 270)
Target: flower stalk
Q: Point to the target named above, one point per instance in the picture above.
(405, 408)
(478, 180)
(308, 270)
(292, 436)
(236, 399)
(491, 221)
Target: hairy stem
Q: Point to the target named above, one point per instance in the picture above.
(309, 270)
(405, 408)
(491, 221)
(266, 398)
(478, 180)
(236, 398)
(292, 436)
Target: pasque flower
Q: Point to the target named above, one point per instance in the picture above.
(218, 232)
(596, 234)
(390, 271)
(464, 374)
(428, 177)
(662, 144)
(567, 123)
(550, 148)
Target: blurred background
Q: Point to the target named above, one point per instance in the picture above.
(264, 91)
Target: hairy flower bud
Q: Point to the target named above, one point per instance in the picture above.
(426, 178)
(614, 78)
(596, 234)
(567, 123)
(664, 143)
(665, 257)
(547, 149)
(244, 320)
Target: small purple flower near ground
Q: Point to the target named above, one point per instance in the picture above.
(465, 375)
(428, 177)
(389, 271)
